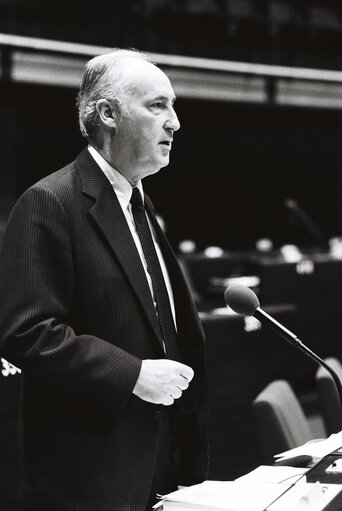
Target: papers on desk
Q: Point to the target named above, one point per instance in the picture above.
(269, 488)
(273, 474)
(317, 449)
(223, 495)
(306, 497)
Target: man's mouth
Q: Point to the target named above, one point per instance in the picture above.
(166, 142)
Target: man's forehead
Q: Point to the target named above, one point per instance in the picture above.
(145, 78)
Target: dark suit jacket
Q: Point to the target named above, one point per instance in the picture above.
(77, 316)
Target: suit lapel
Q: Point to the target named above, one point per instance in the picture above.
(108, 215)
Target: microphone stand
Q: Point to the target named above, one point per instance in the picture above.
(290, 337)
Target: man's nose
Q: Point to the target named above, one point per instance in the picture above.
(172, 122)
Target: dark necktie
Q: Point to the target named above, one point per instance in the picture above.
(161, 297)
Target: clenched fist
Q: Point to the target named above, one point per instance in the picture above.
(162, 381)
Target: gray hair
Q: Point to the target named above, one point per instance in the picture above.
(104, 78)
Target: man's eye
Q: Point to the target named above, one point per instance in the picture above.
(157, 105)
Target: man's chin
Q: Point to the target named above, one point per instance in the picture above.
(165, 162)
(158, 167)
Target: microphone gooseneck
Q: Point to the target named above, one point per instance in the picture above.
(244, 301)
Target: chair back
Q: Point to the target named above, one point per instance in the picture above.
(329, 397)
(280, 420)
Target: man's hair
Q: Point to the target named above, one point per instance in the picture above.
(104, 78)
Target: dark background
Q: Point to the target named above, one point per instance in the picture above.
(286, 32)
(231, 166)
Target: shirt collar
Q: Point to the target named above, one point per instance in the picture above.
(122, 187)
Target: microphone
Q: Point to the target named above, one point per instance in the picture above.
(305, 220)
(245, 302)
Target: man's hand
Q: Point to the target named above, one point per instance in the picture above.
(162, 381)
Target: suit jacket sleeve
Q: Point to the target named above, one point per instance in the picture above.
(36, 299)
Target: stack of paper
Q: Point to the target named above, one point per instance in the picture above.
(223, 495)
(271, 488)
(276, 488)
(242, 496)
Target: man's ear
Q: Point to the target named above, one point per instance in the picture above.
(106, 113)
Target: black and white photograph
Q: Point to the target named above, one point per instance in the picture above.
(171, 255)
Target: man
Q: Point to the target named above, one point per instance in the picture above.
(95, 311)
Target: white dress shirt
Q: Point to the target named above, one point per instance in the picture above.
(123, 190)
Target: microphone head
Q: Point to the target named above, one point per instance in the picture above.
(241, 299)
(290, 203)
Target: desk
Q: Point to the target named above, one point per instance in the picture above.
(268, 488)
(318, 473)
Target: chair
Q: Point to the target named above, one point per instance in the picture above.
(329, 397)
(280, 420)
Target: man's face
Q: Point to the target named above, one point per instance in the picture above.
(144, 130)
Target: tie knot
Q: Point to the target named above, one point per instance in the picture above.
(136, 199)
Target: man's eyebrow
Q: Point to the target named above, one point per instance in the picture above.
(165, 98)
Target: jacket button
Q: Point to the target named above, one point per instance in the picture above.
(157, 415)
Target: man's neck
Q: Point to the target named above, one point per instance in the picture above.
(106, 155)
